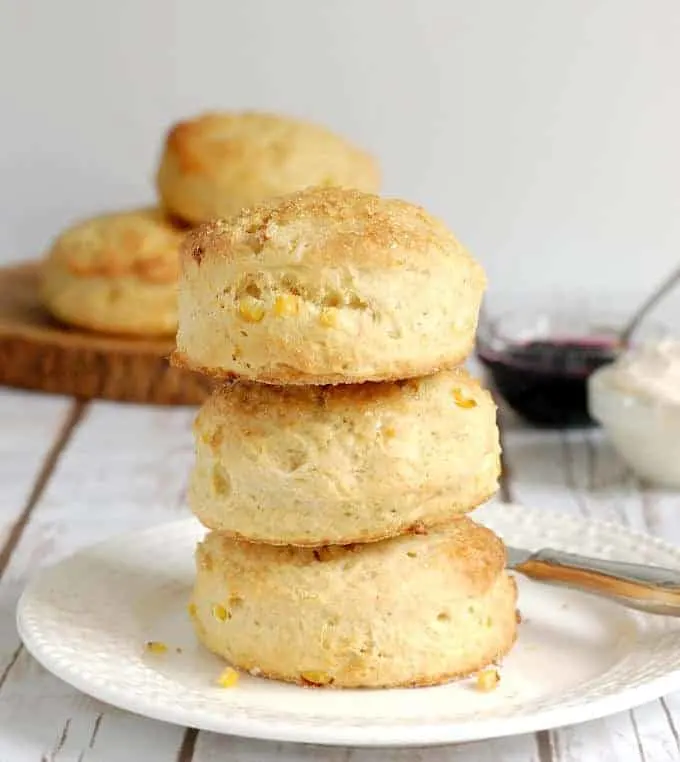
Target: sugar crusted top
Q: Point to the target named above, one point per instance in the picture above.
(327, 226)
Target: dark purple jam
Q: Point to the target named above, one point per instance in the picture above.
(544, 381)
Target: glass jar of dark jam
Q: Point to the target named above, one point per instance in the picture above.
(539, 362)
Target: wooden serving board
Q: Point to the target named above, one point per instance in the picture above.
(38, 353)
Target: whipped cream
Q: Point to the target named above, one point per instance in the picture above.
(651, 371)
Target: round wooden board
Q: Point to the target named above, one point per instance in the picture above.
(38, 353)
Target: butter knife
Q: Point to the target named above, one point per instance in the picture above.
(652, 589)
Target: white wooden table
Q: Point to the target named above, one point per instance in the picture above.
(72, 473)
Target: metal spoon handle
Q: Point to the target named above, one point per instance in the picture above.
(647, 588)
(653, 299)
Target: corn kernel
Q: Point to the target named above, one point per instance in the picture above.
(487, 680)
(461, 401)
(389, 432)
(156, 647)
(228, 678)
(286, 305)
(327, 317)
(314, 677)
(251, 310)
(191, 609)
(220, 612)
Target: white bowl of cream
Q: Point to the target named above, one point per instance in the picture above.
(637, 401)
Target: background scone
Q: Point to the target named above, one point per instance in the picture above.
(414, 610)
(320, 465)
(327, 286)
(116, 273)
(217, 163)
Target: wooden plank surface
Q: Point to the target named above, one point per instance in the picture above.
(215, 748)
(30, 424)
(122, 467)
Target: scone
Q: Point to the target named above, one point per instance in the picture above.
(319, 465)
(326, 286)
(415, 610)
(216, 164)
(116, 273)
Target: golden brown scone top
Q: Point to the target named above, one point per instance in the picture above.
(319, 226)
(141, 243)
(258, 142)
(462, 548)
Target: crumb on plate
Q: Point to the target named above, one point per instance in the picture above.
(156, 647)
(487, 680)
(228, 678)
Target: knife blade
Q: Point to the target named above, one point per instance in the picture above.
(652, 589)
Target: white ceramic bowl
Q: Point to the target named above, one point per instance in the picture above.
(646, 434)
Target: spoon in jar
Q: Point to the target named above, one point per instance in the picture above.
(643, 310)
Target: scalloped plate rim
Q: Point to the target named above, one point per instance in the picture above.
(351, 734)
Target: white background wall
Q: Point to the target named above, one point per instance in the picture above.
(546, 132)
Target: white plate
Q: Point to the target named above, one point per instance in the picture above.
(577, 658)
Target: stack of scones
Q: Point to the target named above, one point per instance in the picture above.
(338, 457)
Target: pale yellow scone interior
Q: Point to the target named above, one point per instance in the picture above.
(415, 610)
(340, 464)
(327, 286)
(217, 163)
(116, 273)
